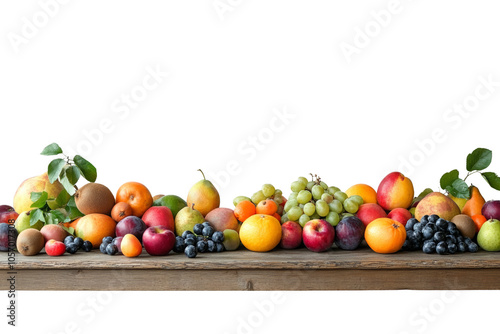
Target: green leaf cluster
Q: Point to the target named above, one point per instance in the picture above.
(477, 161)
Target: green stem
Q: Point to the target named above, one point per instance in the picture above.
(470, 173)
(202, 174)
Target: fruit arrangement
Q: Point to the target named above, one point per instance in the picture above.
(50, 212)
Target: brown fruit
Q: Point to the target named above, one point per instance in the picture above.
(121, 210)
(30, 242)
(94, 198)
(465, 225)
(157, 197)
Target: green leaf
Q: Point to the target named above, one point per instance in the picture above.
(35, 216)
(71, 202)
(73, 212)
(479, 159)
(39, 199)
(448, 178)
(459, 189)
(88, 170)
(63, 198)
(73, 174)
(70, 230)
(492, 179)
(58, 216)
(55, 168)
(52, 149)
(424, 193)
(49, 219)
(68, 186)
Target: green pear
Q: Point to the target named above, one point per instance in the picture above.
(186, 219)
(23, 222)
(204, 195)
(488, 237)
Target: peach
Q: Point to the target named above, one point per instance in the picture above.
(438, 204)
(400, 215)
(131, 246)
(53, 231)
(368, 212)
(395, 191)
(222, 219)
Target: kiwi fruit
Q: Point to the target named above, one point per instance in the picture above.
(30, 242)
(465, 225)
(94, 198)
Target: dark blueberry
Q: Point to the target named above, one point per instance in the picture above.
(190, 236)
(211, 246)
(72, 248)
(410, 235)
(439, 236)
(78, 242)
(220, 247)
(202, 246)
(432, 226)
(433, 218)
(452, 248)
(472, 247)
(442, 224)
(190, 241)
(198, 229)
(424, 220)
(102, 247)
(111, 249)
(416, 245)
(87, 246)
(451, 239)
(179, 245)
(441, 248)
(208, 231)
(468, 241)
(410, 223)
(205, 224)
(107, 240)
(200, 238)
(427, 233)
(190, 251)
(186, 233)
(462, 247)
(418, 236)
(68, 240)
(418, 227)
(460, 239)
(429, 247)
(218, 236)
(407, 245)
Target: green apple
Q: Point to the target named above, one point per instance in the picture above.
(23, 222)
(488, 237)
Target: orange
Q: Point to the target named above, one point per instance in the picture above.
(368, 194)
(94, 227)
(260, 233)
(121, 210)
(474, 205)
(131, 246)
(266, 207)
(277, 216)
(243, 210)
(479, 220)
(385, 235)
(137, 195)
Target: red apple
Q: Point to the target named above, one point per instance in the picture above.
(8, 217)
(131, 225)
(368, 212)
(158, 240)
(53, 231)
(6, 208)
(318, 235)
(159, 216)
(400, 215)
(55, 248)
(291, 235)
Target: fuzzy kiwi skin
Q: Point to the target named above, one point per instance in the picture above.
(94, 198)
(30, 242)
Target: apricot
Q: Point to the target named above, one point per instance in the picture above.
(131, 246)
(395, 191)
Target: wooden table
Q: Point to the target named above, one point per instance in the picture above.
(299, 269)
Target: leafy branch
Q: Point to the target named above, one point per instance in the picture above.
(477, 161)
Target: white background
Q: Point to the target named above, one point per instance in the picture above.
(354, 119)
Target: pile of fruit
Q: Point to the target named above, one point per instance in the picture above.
(52, 214)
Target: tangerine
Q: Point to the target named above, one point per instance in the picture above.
(385, 235)
(243, 210)
(260, 233)
(136, 195)
(266, 207)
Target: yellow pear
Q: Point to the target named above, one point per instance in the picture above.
(22, 198)
(204, 195)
